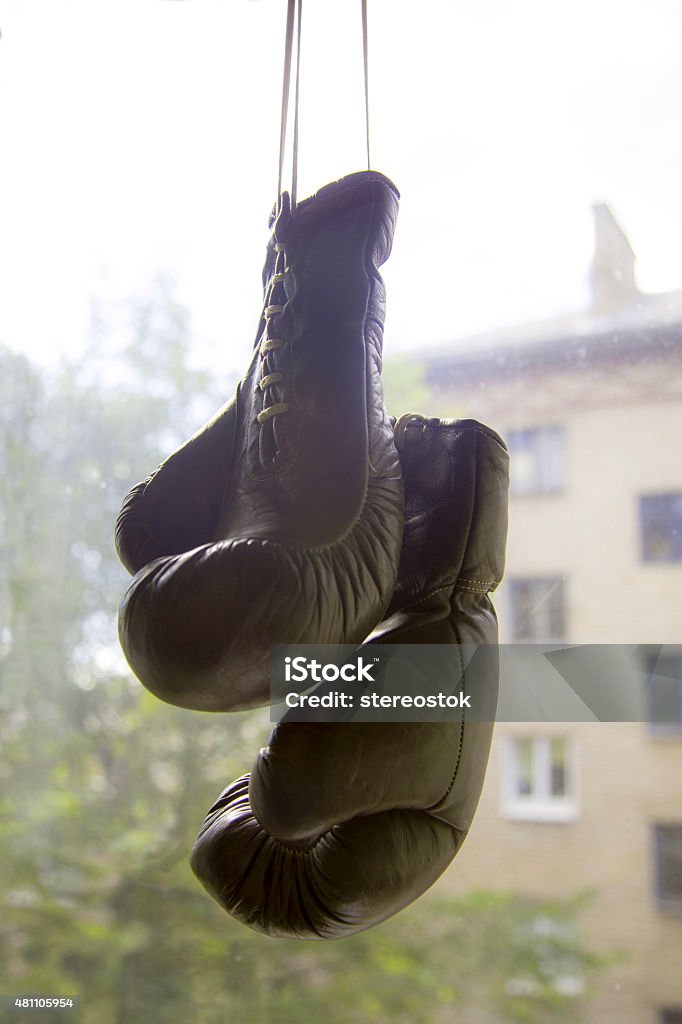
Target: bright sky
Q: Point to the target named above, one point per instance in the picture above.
(142, 135)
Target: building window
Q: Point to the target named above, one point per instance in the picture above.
(668, 851)
(539, 779)
(660, 517)
(664, 690)
(538, 609)
(538, 460)
(670, 1015)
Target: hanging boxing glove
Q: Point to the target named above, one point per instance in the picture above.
(341, 824)
(281, 520)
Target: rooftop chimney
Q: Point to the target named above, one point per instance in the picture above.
(612, 274)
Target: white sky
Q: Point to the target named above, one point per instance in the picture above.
(142, 135)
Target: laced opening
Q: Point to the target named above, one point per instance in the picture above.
(271, 344)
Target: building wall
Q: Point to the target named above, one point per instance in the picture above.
(591, 531)
(623, 423)
(628, 781)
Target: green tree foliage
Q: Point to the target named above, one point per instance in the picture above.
(405, 386)
(104, 787)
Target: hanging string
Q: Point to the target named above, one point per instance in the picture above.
(294, 169)
(365, 55)
(286, 79)
(294, 12)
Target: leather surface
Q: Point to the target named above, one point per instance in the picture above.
(282, 528)
(340, 825)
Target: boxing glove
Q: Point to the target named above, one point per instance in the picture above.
(280, 521)
(341, 824)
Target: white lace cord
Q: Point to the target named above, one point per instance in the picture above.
(294, 10)
(365, 56)
(294, 15)
(294, 157)
(269, 375)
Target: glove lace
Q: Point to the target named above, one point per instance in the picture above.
(270, 344)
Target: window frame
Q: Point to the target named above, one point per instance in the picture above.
(653, 664)
(670, 1015)
(557, 582)
(544, 438)
(665, 900)
(540, 805)
(673, 516)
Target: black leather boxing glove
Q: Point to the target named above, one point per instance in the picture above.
(340, 825)
(281, 520)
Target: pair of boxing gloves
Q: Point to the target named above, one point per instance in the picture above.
(339, 825)
(301, 514)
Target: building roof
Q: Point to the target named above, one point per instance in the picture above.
(621, 323)
(652, 328)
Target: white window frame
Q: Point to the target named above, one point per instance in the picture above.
(539, 805)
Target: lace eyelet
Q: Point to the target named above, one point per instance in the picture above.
(272, 410)
(269, 379)
(270, 345)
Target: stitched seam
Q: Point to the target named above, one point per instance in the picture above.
(461, 731)
(371, 284)
(450, 585)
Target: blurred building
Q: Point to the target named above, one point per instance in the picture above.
(591, 408)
